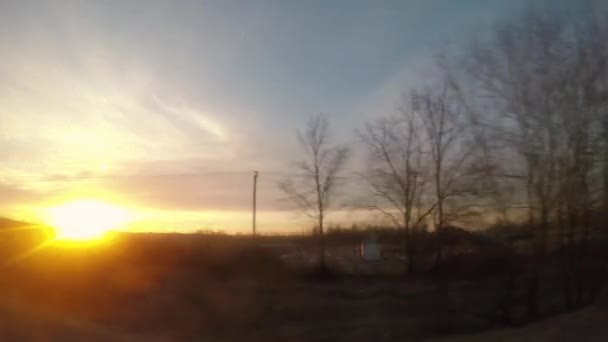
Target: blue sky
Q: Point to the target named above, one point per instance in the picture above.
(141, 87)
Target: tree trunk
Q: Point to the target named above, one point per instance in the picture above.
(532, 296)
(439, 253)
(407, 244)
(322, 261)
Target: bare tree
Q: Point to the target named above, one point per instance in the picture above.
(397, 173)
(450, 154)
(537, 87)
(312, 187)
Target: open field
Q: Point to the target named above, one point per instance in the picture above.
(193, 287)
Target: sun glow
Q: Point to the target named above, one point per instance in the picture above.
(86, 219)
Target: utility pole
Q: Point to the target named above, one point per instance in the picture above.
(255, 190)
(605, 161)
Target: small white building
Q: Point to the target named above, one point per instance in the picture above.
(370, 250)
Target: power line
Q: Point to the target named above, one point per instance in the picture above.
(85, 177)
(154, 176)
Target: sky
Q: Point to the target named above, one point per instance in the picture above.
(131, 88)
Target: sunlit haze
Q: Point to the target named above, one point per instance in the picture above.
(86, 219)
(166, 107)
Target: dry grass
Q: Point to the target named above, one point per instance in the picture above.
(185, 287)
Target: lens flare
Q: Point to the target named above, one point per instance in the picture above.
(86, 219)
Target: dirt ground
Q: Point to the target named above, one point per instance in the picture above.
(585, 325)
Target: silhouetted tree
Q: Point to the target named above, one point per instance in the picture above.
(536, 90)
(312, 187)
(450, 153)
(397, 173)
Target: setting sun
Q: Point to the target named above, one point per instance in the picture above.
(86, 219)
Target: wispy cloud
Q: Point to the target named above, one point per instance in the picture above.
(150, 87)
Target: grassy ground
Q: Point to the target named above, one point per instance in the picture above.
(193, 288)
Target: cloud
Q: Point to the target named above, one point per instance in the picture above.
(190, 86)
(11, 194)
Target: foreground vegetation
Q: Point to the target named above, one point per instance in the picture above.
(511, 129)
(220, 287)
